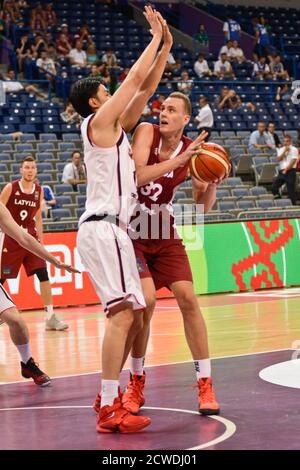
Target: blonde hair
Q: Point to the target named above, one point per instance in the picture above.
(185, 99)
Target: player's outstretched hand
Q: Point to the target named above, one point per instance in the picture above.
(67, 267)
(167, 36)
(151, 16)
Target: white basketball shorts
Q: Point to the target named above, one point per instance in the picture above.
(108, 256)
(5, 301)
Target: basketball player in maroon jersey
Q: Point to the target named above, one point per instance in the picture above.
(8, 312)
(162, 155)
(23, 199)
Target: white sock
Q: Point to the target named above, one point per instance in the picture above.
(202, 368)
(49, 310)
(109, 391)
(24, 351)
(137, 365)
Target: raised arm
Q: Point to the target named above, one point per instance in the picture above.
(13, 230)
(136, 106)
(112, 109)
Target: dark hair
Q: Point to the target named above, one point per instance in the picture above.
(287, 136)
(29, 158)
(203, 98)
(75, 151)
(81, 92)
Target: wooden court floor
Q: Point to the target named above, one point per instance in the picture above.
(237, 324)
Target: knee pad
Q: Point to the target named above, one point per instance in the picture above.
(42, 274)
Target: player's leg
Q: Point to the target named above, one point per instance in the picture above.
(34, 265)
(133, 397)
(108, 256)
(20, 337)
(196, 336)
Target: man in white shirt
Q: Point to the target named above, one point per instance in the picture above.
(201, 68)
(74, 172)
(205, 118)
(223, 68)
(225, 49)
(47, 65)
(288, 157)
(260, 139)
(236, 53)
(77, 56)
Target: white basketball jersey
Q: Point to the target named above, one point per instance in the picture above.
(111, 184)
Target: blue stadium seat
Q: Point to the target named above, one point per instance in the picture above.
(79, 211)
(63, 188)
(60, 214)
(48, 137)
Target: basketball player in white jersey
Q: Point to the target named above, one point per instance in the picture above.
(8, 312)
(104, 246)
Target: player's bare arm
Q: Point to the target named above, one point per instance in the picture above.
(39, 221)
(135, 108)
(204, 193)
(13, 230)
(141, 147)
(5, 194)
(104, 126)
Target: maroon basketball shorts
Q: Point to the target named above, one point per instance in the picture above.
(165, 261)
(14, 255)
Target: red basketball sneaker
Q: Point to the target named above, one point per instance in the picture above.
(97, 402)
(30, 370)
(208, 404)
(133, 397)
(115, 418)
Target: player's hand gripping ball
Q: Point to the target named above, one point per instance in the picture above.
(211, 163)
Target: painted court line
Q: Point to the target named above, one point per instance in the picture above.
(157, 365)
(230, 427)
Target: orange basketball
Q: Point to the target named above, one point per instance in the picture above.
(211, 163)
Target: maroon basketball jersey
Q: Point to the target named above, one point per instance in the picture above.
(23, 206)
(160, 193)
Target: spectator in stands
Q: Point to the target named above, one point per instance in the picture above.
(156, 105)
(205, 117)
(24, 44)
(283, 93)
(64, 29)
(288, 158)
(63, 46)
(201, 67)
(260, 139)
(277, 69)
(77, 55)
(49, 201)
(15, 135)
(48, 67)
(223, 68)
(50, 16)
(11, 85)
(85, 35)
(100, 70)
(261, 70)
(52, 54)
(225, 49)
(236, 53)
(70, 116)
(172, 64)
(124, 74)
(74, 172)
(272, 134)
(38, 45)
(91, 54)
(231, 30)
(262, 40)
(38, 24)
(109, 58)
(185, 85)
(230, 100)
(202, 36)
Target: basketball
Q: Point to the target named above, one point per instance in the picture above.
(211, 163)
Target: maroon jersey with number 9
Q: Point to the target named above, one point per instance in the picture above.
(23, 207)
